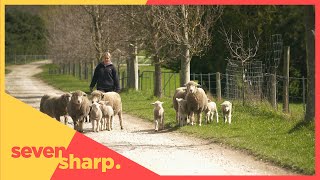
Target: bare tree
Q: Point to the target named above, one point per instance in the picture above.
(242, 50)
(67, 33)
(147, 17)
(98, 15)
(188, 27)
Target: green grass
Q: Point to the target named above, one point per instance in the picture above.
(269, 135)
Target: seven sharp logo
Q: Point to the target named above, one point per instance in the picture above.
(70, 162)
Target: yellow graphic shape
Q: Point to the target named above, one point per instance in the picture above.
(22, 125)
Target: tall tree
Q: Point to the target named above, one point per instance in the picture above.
(188, 27)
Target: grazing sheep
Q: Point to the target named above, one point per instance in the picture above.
(107, 115)
(226, 110)
(197, 101)
(158, 113)
(55, 105)
(210, 111)
(114, 101)
(96, 117)
(78, 108)
(179, 93)
(183, 112)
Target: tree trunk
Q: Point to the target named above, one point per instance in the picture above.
(185, 61)
(185, 68)
(133, 69)
(158, 79)
(310, 43)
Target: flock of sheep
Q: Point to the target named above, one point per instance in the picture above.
(100, 110)
(187, 101)
(191, 100)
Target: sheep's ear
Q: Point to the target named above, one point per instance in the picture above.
(102, 95)
(84, 94)
(152, 103)
(71, 92)
(106, 102)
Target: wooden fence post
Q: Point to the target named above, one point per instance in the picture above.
(286, 79)
(274, 90)
(85, 71)
(123, 79)
(304, 94)
(209, 82)
(218, 86)
(80, 70)
(74, 69)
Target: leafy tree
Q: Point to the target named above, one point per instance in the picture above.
(25, 33)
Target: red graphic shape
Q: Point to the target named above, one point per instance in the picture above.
(84, 147)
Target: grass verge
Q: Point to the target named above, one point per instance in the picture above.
(256, 129)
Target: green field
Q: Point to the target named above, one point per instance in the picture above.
(256, 129)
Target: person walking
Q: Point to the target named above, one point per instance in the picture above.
(105, 76)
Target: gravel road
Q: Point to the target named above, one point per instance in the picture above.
(165, 153)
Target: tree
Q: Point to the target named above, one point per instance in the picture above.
(310, 43)
(242, 50)
(188, 27)
(25, 33)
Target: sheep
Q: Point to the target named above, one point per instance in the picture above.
(107, 115)
(179, 93)
(114, 101)
(78, 108)
(158, 113)
(96, 117)
(197, 101)
(226, 110)
(55, 105)
(210, 111)
(182, 110)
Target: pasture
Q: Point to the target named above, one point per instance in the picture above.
(257, 129)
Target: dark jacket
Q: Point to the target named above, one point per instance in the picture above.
(106, 78)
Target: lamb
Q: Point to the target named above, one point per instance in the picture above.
(197, 101)
(107, 115)
(226, 110)
(182, 110)
(210, 111)
(55, 105)
(158, 113)
(78, 108)
(114, 101)
(96, 117)
(179, 93)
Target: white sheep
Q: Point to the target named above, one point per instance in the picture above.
(107, 115)
(158, 113)
(226, 110)
(183, 112)
(78, 108)
(96, 117)
(197, 101)
(210, 111)
(114, 101)
(55, 105)
(179, 93)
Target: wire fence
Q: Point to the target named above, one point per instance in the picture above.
(23, 59)
(257, 87)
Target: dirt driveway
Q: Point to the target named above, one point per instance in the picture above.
(165, 153)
